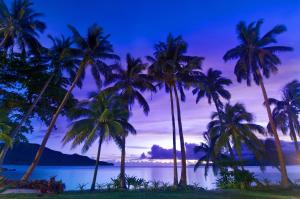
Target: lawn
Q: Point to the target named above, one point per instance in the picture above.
(164, 195)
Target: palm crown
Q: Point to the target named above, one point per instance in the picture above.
(20, 26)
(93, 50)
(63, 58)
(211, 85)
(170, 65)
(210, 158)
(105, 114)
(132, 81)
(286, 110)
(236, 125)
(256, 52)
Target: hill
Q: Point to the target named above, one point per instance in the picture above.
(23, 154)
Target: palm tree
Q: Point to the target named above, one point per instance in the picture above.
(211, 85)
(172, 68)
(254, 54)
(286, 110)
(104, 116)
(61, 60)
(210, 157)
(131, 83)
(20, 26)
(160, 77)
(92, 50)
(236, 126)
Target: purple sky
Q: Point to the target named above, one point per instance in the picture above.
(209, 29)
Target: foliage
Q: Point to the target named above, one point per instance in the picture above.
(236, 179)
(210, 157)
(82, 187)
(104, 114)
(135, 184)
(44, 186)
(286, 111)
(20, 26)
(236, 125)
(132, 81)
(256, 52)
(211, 85)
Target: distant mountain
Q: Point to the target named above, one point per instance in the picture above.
(23, 154)
(158, 152)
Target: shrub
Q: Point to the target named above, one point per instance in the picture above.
(82, 187)
(44, 186)
(236, 179)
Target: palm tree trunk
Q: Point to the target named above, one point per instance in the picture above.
(293, 133)
(54, 118)
(174, 139)
(183, 178)
(97, 164)
(24, 119)
(284, 176)
(122, 166)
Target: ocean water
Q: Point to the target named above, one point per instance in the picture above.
(72, 176)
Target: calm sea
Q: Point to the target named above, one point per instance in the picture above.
(72, 176)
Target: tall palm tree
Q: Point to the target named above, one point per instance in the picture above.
(131, 82)
(20, 26)
(104, 116)
(286, 110)
(92, 50)
(172, 68)
(236, 126)
(211, 86)
(61, 60)
(160, 77)
(257, 57)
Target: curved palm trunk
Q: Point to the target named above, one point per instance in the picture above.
(122, 166)
(183, 178)
(51, 126)
(97, 164)
(284, 176)
(293, 133)
(174, 140)
(24, 119)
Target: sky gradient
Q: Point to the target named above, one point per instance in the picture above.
(208, 27)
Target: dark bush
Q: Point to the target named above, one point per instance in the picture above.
(236, 179)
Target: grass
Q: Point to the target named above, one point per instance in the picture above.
(228, 194)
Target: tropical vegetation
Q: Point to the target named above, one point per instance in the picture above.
(37, 82)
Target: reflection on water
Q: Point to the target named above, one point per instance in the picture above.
(72, 176)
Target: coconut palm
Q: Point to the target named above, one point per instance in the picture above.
(286, 110)
(92, 50)
(131, 82)
(103, 116)
(211, 86)
(257, 58)
(159, 77)
(172, 68)
(61, 60)
(20, 26)
(210, 157)
(236, 126)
